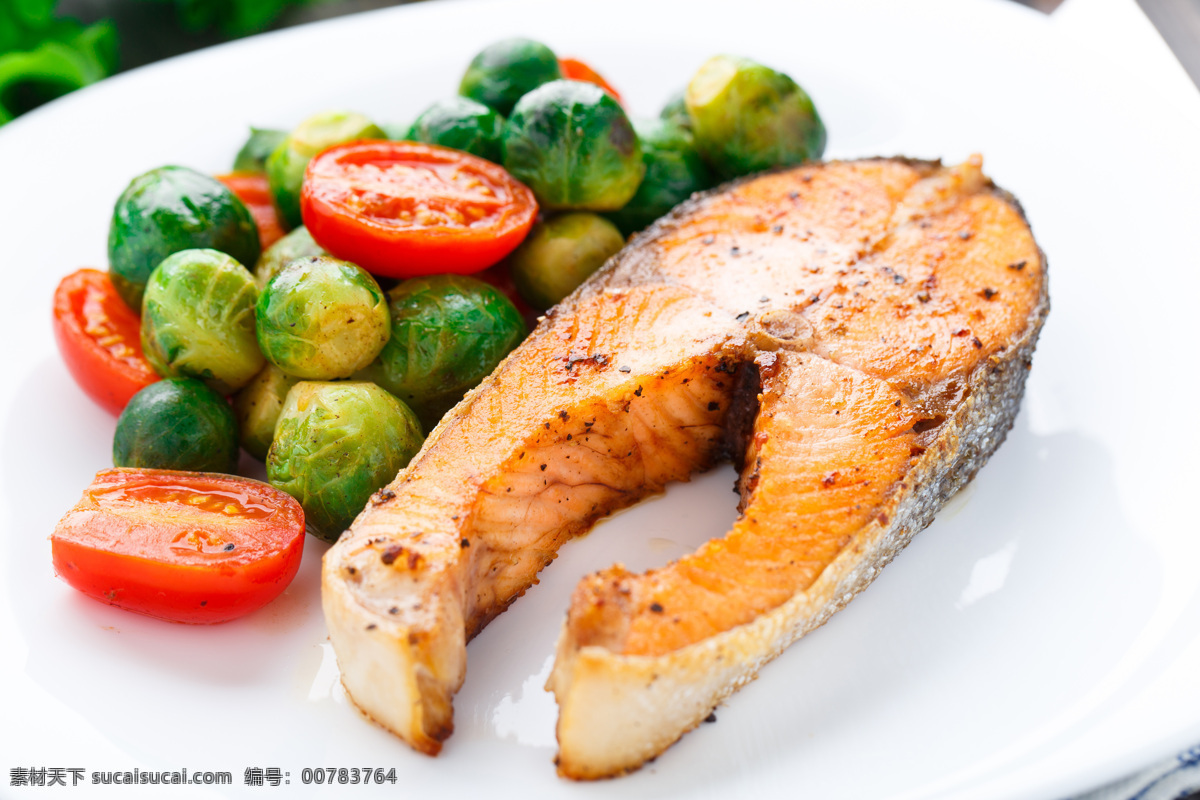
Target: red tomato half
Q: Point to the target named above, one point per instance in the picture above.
(254, 191)
(575, 70)
(100, 339)
(181, 546)
(402, 209)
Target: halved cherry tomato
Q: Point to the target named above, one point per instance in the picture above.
(575, 70)
(181, 546)
(402, 209)
(100, 339)
(254, 191)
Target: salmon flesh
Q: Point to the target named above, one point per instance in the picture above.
(855, 335)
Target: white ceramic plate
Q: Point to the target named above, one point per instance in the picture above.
(1041, 637)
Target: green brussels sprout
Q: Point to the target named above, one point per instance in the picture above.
(504, 72)
(254, 153)
(448, 333)
(198, 320)
(320, 318)
(286, 165)
(673, 171)
(675, 111)
(335, 445)
(747, 117)
(299, 243)
(560, 253)
(462, 124)
(571, 143)
(171, 209)
(177, 423)
(257, 408)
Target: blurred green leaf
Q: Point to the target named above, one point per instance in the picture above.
(8, 31)
(231, 17)
(33, 13)
(46, 57)
(99, 41)
(249, 17)
(43, 56)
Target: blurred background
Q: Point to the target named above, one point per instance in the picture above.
(51, 47)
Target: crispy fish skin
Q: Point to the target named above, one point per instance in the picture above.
(890, 309)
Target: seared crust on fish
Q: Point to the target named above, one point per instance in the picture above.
(856, 335)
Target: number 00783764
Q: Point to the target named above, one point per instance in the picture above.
(350, 775)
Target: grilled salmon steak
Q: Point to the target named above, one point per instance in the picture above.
(855, 335)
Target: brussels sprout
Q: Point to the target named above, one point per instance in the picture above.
(560, 253)
(337, 443)
(177, 423)
(257, 408)
(285, 166)
(504, 72)
(747, 117)
(462, 124)
(171, 209)
(448, 333)
(297, 244)
(673, 171)
(320, 318)
(253, 155)
(198, 320)
(571, 143)
(675, 111)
